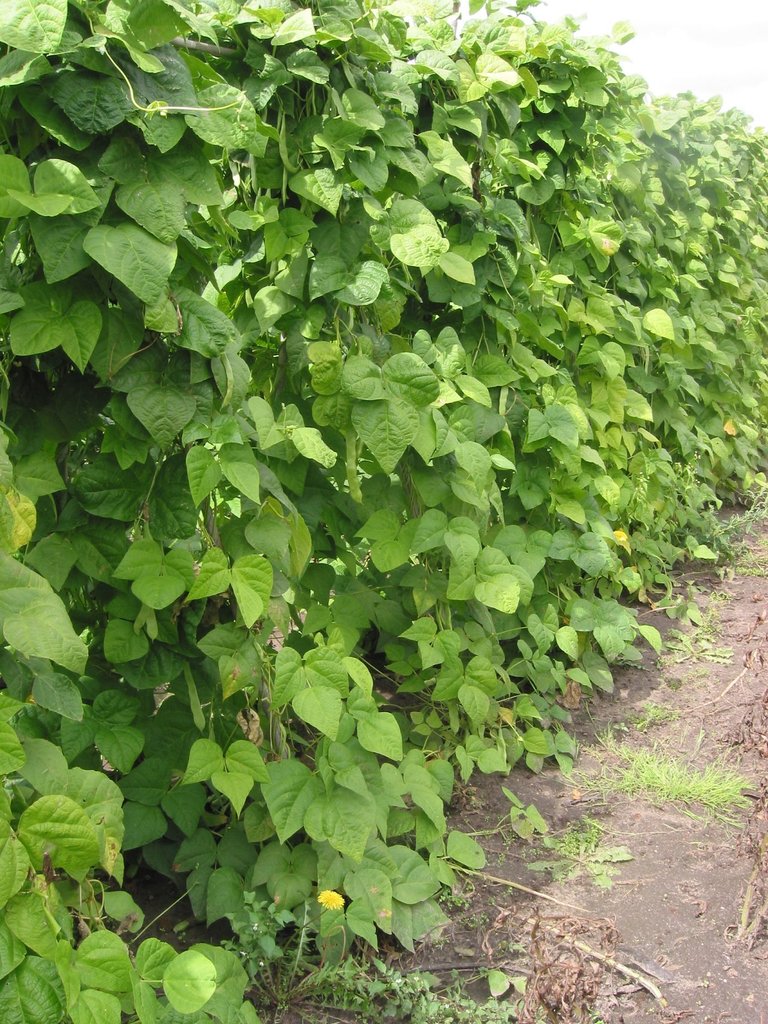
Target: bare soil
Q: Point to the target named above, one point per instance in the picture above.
(675, 906)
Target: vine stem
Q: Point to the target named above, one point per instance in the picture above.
(195, 44)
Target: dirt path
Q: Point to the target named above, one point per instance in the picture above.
(670, 914)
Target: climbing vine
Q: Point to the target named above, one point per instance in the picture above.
(358, 372)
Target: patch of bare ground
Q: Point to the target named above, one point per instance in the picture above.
(679, 932)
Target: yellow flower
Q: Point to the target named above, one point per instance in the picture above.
(330, 900)
(622, 539)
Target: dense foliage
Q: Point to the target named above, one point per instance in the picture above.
(353, 372)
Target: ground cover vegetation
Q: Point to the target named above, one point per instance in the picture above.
(358, 372)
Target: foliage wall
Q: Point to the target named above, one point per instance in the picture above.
(356, 377)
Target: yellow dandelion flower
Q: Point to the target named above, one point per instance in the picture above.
(330, 900)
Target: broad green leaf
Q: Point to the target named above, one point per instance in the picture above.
(239, 467)
(379, 732)
(475, 702)
(59, 828)
(32, 994)
(235, 786)
(134, 257)
(362, 110)
(204, 328)
(61, 178)
(103, 963)
(213, 576)
(94, 103)
(123, 643)
(157, 208)
(422, 247)
(12, 951)
(244, 757)
(365, 285)
(152, 958)
(501, 592)
(457, 268)
(159, 591)
(252, 584)
(228, 119)
(59, 242)
(14, 859)
(11, 751)
(162, 410)
(387, 428)
(444, 157)
(203, 472)
(320, 186)
(291, 790)
(465, 850)
(659, 322)
(56, 692)
(297, 26)
(94, 1007)
(31, 26)
(320, 707)
(13, 176)
(495, 72)
(26, 599)
(568, 641)
(408, 377)
(53, 318)
(205, 758)
(309, 442)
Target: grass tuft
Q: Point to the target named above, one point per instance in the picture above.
(662, 778)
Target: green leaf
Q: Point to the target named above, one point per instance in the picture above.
(12, 951)
(60, 828)
(152, 959)
(408, 377)
(475, 702)
(379, 732)
(309, 443)
(659, 322)
(296, 27)
(59, 242)
(387, 428)
(14, 177)
(320, 186)
(365, 285)
(501, 592)
(444, 157)
(204, 328)
(31, 26)
(154, 206)
(495, 72)
(56, 692)
(103, 963)
(94, 103)
(457, 268)
(239, 467)
(51, 318)
(213, 576)
(320, 707)
(33, 993)
(94, 1007)
(205, 758)
(159, 591)
(123, 643)
(235, 786)
(134, 257)
(568, 641)
(422, 246)
(203, 472)
(244, 757)
(162, 410)
(252, 584)
(26, 600)
(465, 850)
(11, 751)
(229, 121)
(59, 178)
(290, 792)
(14, 860)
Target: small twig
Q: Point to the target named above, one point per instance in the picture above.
(523, 888)
(615, 965)
(729, 687)
(196, 44)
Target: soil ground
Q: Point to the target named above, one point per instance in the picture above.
(676, 905)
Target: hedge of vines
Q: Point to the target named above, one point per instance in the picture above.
(358, 374)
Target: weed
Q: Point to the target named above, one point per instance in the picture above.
(653, 715)
(580, 851)
(662, 778)
(702, 642)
